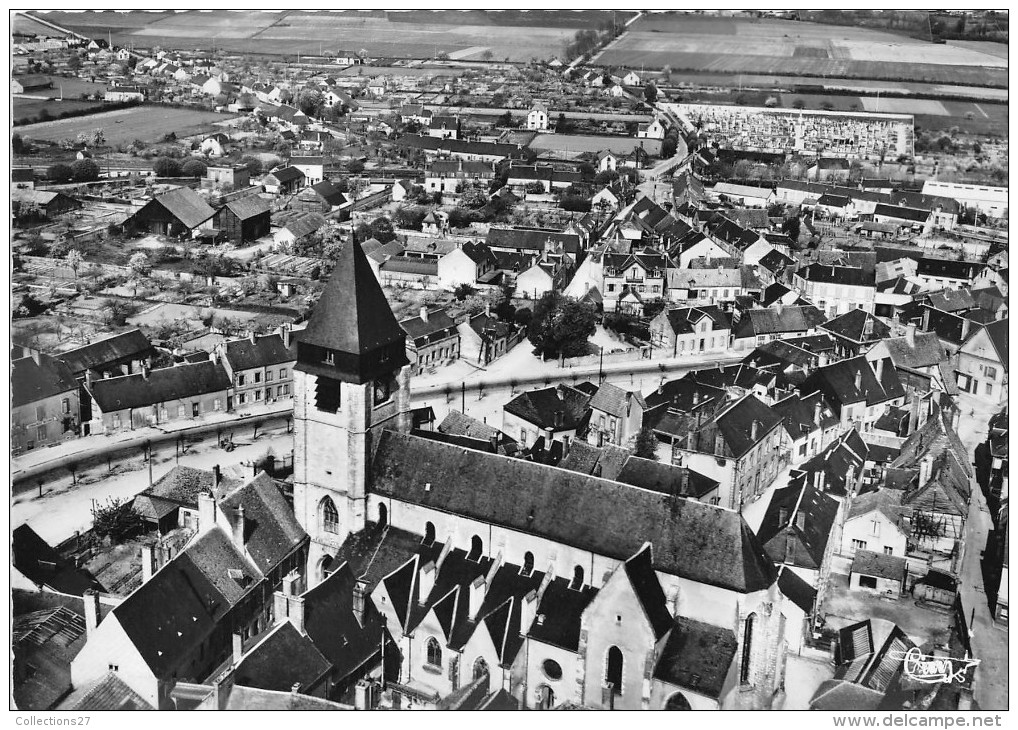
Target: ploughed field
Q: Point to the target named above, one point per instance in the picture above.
(292, 32)
(123, 126)
(785, 47)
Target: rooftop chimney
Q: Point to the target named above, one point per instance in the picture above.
(216, 478)
(719, 445)
(360, 589)
(858, 379)
(238, 527)
(683, 482)
(91, 611)
(424, 314)
(206, 512)
(290, 583)
(477, 590)
(238, 647)
(559, 418)
(148, 563)
(816, 413)
(286, 333)
(295, 689)
(145, 371)
(426, 581)
(800, 520)
(252, 336)
(754, 430)
(487, 309)
(879, 368)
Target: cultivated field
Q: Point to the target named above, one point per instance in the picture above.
(577, 143)
(147, 123)
(777, 81)
(771, 46)
(289, 33)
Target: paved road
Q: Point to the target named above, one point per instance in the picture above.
(989, 640)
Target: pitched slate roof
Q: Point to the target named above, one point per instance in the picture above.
(439, 326)
(697, 656)
(997, 331)
(656, 476)
(614, 401)
(837, 382)
(111, 693)
(557, 621)
(352, 315)
(305, 224)
(251, 699)
(33, 381)
(784, 540)
(539, 407)
(772, 320)
(287, 174)
(640, 571)
(902, 213)
(38, 561)
(852, 326)
(242, 354)
(185, 205)
(683, 320)
(925, 350)
(249, 207)
(271, 531)
(690, 539)
(133, 344)
(284, 657)
(164, 384)
(801, 593)
(868, 562)
(532, 239)
(169, 616)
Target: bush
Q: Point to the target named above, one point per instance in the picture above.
(59, 173)
(193, 168)
(356, 167)
(253, 165)
(85, 170)
(115, 519)
(166, 167)
(463, 291)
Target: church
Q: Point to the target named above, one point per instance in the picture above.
(558, 588)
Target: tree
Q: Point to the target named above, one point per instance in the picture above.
(193, 168)
(650, 93)
(382, 230)
(17, 144)
(522, 316)
(474, 198)
(826, 105)
(536, 187)
(85, 170)
(463, 291)
(59, 173)
(606, 177)
(166, 167)
(117, 311)
(139, 264)
(355, 167)
(98, 138)
(487, 55)
(115, 520)
(253, 165)
(561, 326)
(310, 101)
(798, 104)
(669, 145)
(74, 260)
(645, 444)
(791, 228)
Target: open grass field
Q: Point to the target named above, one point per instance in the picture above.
(123, 126)
(784, 47)
(292, 32)
(26, 110)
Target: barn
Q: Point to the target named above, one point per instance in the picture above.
(244, 219)
(179, 211)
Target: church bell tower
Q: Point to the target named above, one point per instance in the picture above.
(352, 379)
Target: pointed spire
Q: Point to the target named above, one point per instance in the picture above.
(352, 333)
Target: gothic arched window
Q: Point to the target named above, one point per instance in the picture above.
(330, 515)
